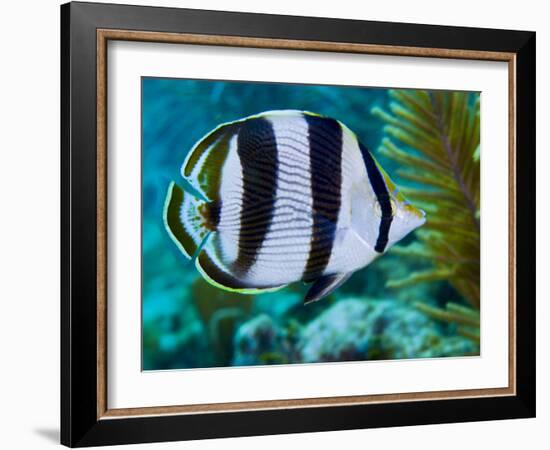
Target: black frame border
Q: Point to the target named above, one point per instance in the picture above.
(79, 423)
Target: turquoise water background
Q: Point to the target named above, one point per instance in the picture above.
(188, 324)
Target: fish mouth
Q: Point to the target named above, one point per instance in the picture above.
(421, 216)
(418, 217)
(421, 220)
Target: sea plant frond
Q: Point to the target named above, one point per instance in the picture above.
(452, 313)
(434, 137)
(421, 276)
(466, 318)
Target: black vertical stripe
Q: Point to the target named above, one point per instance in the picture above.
(211, 214)
(325, 147)
(381, 191)
(257, 150)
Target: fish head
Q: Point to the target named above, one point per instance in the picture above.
(405, 218)
(367, 216)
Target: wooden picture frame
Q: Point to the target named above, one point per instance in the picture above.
(86, 418)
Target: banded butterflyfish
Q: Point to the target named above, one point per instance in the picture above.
(286, 196)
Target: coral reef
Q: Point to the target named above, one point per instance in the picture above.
(259, 341)
(357, 329)
(351, 330)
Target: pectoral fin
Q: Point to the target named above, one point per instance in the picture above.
(324, 286)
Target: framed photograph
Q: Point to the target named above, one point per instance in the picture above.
(276, 224)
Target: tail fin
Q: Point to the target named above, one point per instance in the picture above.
(187, 219)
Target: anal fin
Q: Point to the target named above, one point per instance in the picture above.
(325, 285)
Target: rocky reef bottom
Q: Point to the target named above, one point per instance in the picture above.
(350, 330)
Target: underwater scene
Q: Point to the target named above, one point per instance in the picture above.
(291, 223)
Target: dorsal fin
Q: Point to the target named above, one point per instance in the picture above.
(203, 164)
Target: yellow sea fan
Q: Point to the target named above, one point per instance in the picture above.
(434, 136)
